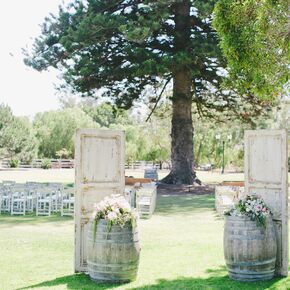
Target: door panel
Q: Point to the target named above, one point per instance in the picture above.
(99, 172)
(266, 175)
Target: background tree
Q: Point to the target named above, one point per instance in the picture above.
(55, 130)
(136, 144)
(126, 47)
(105, 114)
(157, 132)
(255, 40)
(17, 139)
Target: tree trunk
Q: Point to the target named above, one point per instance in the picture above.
(182, 171)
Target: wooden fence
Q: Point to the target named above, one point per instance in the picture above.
(36, 163)
(147, 164)
(69, 163)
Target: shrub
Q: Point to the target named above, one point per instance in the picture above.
(63, 153)
(14, 163)
(46, 164)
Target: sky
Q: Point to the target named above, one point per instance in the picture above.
(25, 90)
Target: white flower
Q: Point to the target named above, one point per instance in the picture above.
(112, 216)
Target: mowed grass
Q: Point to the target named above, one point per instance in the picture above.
(67, 175)
(181, 245)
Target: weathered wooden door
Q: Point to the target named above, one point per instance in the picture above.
(266, 172)
(99, 172)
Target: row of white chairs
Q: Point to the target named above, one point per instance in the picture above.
(42, 198)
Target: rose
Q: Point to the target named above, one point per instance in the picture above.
(115, 209)
(122, 204)
(112, 216)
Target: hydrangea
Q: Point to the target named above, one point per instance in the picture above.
(115, 210)
(252, 206)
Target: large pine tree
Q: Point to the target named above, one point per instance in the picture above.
(128, 46)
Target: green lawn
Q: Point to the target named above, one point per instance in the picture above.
(181, 249)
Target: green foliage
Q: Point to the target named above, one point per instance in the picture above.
(126, 48)
(6, 116)
(150, 141)
(105, 114)
(14, 163)
(102, 114)
(120, 50)
(158, 134)
(135, 143)
(146, 141)
(63, 153)
(207, 149)
(254, 38)
(46, 164)
(17, 138)
(55, 130)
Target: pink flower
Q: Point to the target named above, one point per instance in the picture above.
(264, 209)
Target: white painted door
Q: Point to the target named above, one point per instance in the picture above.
(266, 174)
(99, 172)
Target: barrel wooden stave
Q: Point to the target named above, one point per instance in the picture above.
(113, 256)
(250, 251)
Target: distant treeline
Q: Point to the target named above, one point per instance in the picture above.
(51, 134)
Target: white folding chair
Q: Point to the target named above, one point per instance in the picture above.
(18, 199)
(130, 196)
(31, 189)
(146, 199)
(6, 196)
(43, 201)
(56, 189)
(67, 202)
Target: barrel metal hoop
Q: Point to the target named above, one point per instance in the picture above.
(96, 241)
(133, 263)
(255, 263)
(245, 237)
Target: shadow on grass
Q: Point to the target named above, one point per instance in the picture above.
(211, 283)
(218, 280)
(74, 282)
(176, 204)
(7, 220)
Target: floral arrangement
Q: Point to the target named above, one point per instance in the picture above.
(252, 206)
(116, 210)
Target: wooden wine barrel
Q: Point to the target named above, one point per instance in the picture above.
(250, 251)
(113, 256)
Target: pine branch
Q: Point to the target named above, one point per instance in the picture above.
(158, 99)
